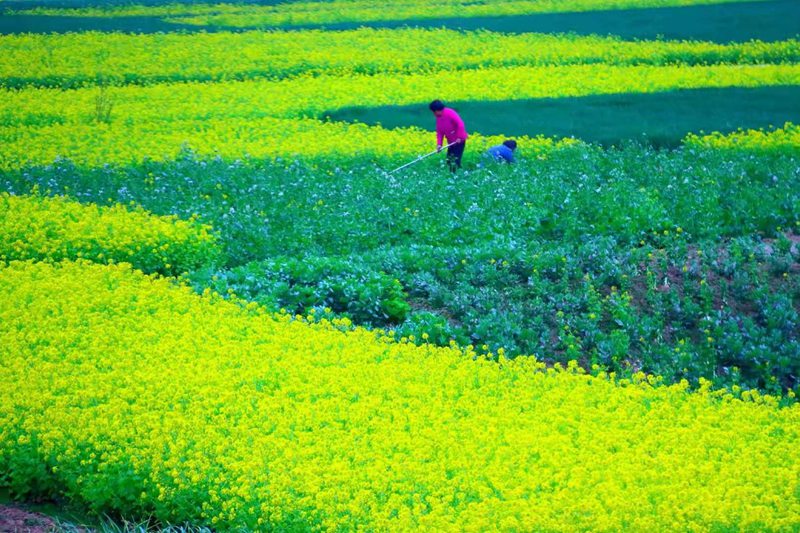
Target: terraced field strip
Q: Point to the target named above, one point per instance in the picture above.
(77, 60)
(299, 12)
(142, 396)
(256, 117)
(767, 20)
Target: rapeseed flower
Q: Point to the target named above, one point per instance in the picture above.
(141, 396)
(57, 228)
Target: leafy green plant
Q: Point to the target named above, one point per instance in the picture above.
(296, 285)
(534, 258)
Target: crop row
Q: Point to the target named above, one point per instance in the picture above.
(314, 95)
(720, 309)
(54, 229)
(509, 256)
(783, 139)
(368, 12)
(336, 286)
(142, 397)
(322, 12)
(76, 59)
(266, 209)
(114, 125)
(96, 145)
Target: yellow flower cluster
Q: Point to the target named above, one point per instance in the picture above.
(55, 228)
(332, 11)
(786, 139)
(130, 393)
(39, 124)
(309, 96)
(93, 145)
(130, 58)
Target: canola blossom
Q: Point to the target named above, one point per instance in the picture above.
(786, 139)
(94, 145)
(86, 58)
(323, 12)
(235, 119)
(142, 397)
(56, 228)
(128, 392)
(313, 95)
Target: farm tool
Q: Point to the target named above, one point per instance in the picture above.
(420, 158)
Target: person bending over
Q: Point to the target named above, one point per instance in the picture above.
(449, 126)
(503, 153)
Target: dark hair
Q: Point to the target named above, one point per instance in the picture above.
(510, 143)
(436, 105)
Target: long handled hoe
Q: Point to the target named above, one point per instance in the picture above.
(420, 158)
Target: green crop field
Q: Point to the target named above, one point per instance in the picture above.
(221, 308)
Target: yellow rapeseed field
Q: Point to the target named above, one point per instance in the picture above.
(74, 59)
(130, 393)
(276, 118)
(786, 138)
(56, 228)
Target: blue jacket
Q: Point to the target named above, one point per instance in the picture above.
(501, 153)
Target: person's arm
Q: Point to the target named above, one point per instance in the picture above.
(439, 136)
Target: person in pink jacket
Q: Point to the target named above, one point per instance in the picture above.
(449, 126)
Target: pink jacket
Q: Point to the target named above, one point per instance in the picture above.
(451, 126)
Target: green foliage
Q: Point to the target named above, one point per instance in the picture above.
(577, 254)
(341, 285)
(427, 327)
(332, 208)
(670, 307)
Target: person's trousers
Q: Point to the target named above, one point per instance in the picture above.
(454, 154)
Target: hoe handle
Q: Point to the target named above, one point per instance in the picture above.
(420, 158)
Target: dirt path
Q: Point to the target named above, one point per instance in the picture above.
(16, 520)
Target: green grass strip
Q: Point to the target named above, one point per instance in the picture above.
(367, 12)
(315, 12)
(730, 22)
(663, 119)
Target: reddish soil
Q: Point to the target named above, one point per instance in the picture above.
(16, 520)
